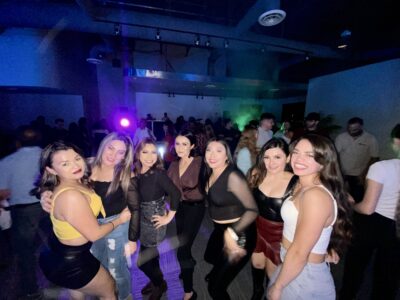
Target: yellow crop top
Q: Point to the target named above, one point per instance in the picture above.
(65, 231)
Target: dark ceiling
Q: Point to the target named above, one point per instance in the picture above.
(303, 46)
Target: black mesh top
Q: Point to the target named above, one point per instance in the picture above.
(269, 207)
(230, 197)
(154, 184)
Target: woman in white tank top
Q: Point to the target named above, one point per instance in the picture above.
(316, 221)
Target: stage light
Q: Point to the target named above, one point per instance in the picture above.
(197, 40)
(124, 122)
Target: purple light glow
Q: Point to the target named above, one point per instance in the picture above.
(124, 122)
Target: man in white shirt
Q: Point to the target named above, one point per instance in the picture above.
(142, 132)
(357, 149)
(265, 133)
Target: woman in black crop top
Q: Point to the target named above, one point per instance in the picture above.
(271, 186)
(153, 185)
(233, 211)
(185, 175)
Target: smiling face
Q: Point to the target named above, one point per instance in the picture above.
(148, 157)
(275, 160)
(303, 159)
(216, 155)
(114, 152)
(67, 165)
(183, 146)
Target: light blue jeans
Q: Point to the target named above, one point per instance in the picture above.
(314, 282)
(110, 251)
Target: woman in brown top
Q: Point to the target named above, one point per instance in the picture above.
(185, 175)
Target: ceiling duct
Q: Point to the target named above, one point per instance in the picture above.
(271, 17)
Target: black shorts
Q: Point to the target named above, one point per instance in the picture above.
(71, 267)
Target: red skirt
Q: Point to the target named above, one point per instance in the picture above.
(269, 237)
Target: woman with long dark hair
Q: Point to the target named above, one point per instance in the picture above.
(74, 208)
(233, 211)
(153, 185)
(316, 221)
(185, 173)
(271, 185)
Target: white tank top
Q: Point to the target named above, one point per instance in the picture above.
(290, 214)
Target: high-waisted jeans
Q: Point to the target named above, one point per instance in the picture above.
(314, 282)
(110, 251)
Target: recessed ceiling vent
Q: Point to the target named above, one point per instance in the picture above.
(271, 17)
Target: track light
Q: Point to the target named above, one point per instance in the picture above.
(226, 44)
(158, 36)
(117, 29)
(208, 43)
(197, 40)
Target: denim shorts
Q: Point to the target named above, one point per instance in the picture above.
(314, 282)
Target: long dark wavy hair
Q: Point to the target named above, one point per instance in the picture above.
(48, 181)
(259, 171)
(206, 172)
(137, 165)
(331, 177)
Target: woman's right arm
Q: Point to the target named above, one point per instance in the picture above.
(133, 205)
(74, 208)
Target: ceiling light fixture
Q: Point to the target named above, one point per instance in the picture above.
(226, 44)
(117, 29)
(271, 17)
(197, 40)
(158, 36)
(208, 43)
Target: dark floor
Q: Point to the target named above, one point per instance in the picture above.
(240, 289)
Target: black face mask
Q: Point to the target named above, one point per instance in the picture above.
(356, 133)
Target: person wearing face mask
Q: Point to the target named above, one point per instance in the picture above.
(357, 150)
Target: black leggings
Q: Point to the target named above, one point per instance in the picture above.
(149, 262)
(374, 233)
(188, 219)
(224, 271)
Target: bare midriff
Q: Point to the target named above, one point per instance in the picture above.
(312, 257)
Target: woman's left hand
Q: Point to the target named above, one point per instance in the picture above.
(159, 221)
(274, 293)
(130, 248)
(232, 249)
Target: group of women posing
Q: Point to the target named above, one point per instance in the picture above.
(313, 204)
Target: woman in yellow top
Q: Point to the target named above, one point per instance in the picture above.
(69, 263)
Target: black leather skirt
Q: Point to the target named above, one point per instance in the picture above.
(71, 267)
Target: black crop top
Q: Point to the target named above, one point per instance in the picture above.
(115, 202)
(230, 197)
(269, 207)
(154, 184)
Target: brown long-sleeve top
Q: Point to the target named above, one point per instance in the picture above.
(188, 184)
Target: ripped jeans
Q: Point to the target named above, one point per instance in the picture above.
(110, 251)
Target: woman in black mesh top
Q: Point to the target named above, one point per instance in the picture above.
(153, 184)
(271, 185)
(233, 211)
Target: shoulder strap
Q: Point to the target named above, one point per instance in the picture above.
(290, 186)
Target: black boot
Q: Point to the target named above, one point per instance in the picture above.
(258, 283)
